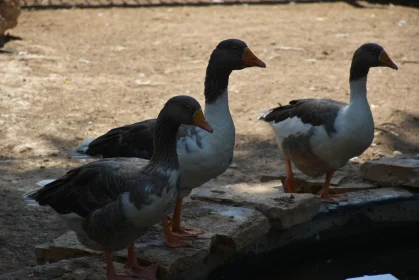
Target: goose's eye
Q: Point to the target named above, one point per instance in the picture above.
(189, 108)
(235, 48)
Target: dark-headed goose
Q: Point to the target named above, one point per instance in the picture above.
(202, 156)
(110, 202)
(321, 135)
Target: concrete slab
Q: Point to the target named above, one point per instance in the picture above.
(283, 210)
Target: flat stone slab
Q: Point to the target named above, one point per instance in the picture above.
(364, 212)
(86, 268)
(283, 210)
(341, 182)
(369, 197)
(228, 229)
(390, 172)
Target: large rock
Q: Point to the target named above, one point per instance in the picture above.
(392, 172)
(283, 210)
(228, 229)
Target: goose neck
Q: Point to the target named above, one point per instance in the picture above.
(165, 139)
(216, 82)
(358, 89)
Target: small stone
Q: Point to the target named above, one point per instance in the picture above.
(397, 153)
(354, 160)
(233, 165)
(341, 35)
(217, 191)
(379, 154)
(82, 60)
(22, 148)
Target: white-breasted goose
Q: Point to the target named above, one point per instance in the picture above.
(320, 135)
(110, 202)
(202, 156)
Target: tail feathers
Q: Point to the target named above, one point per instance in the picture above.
(45, 182)
(263, 113)
(30, 197)
(80, 151)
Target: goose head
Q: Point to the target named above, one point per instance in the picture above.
(185, 110)
(366, 56)
(373, 55)
(234, 54)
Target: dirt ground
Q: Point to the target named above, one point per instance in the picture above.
(83, 72)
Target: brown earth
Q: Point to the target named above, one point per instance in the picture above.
(82, 72)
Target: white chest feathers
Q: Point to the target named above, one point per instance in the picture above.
(354, 134)
(204, 156)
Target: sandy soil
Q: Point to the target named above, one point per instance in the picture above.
(82, 72)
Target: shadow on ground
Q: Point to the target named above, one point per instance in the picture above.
(401, 132)
(23, 227)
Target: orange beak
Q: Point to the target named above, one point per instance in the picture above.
(250, 60)
(386, 61)
(200, 121)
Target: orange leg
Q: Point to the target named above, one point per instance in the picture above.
(290, 185)
(110, 269)
(175, 223)
(133, 269)
(324, 193)
(172, 240)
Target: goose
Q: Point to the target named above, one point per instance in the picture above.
(202, 156)
(320, 135)
(110, 202)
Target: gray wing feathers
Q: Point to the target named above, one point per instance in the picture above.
(316, 112)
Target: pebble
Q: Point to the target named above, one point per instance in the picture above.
(397, 153)
(354, 160)
(379, 154)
